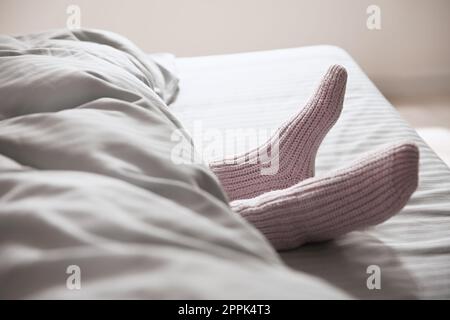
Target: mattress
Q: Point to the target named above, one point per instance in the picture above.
(227, 94)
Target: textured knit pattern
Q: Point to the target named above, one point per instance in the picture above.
(298, 140)
(366, 193)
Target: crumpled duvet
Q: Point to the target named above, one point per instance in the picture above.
(88, 183)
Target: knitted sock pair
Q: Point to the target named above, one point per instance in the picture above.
(292, 207)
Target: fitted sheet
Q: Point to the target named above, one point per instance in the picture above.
(260, 90)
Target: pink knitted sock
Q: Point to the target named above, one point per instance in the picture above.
(366, 193)
(298, 140)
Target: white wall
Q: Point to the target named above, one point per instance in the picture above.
(409, 56)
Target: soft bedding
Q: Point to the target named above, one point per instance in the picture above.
(87, 176)
(88, 182)
(258, 91)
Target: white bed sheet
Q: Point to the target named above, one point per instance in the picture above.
(261, 90)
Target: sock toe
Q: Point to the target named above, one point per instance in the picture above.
(331, 90)
(405, 167)
(400, 175)
(338, 72)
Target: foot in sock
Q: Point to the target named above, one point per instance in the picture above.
(365, 193)
(296, 144)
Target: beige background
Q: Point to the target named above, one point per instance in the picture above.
(409, 56)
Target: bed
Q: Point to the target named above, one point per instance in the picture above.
(261, 90)
(87, 179)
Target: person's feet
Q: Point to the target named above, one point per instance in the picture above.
(363, 194)
(293, 147)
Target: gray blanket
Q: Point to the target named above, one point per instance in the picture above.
(88, 181)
